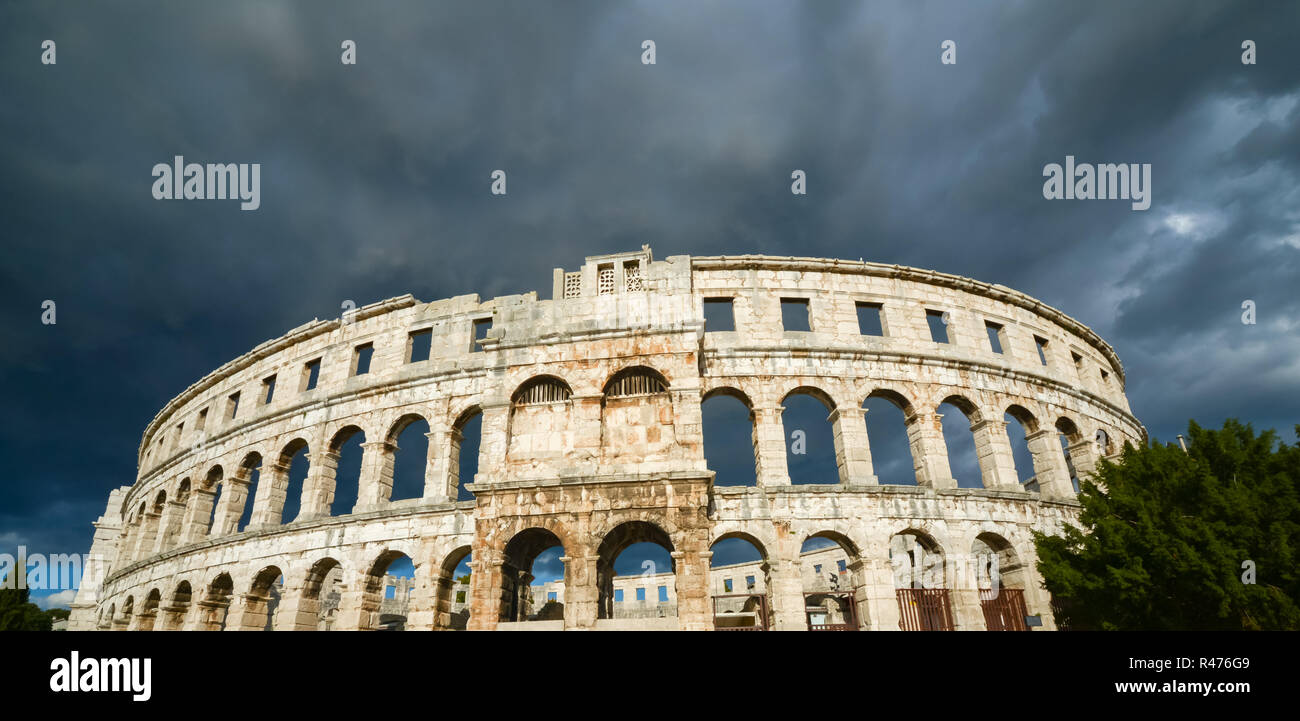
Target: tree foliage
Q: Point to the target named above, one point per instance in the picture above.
(1168, 538)
(17, 614)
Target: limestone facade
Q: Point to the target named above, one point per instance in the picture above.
(591, 439)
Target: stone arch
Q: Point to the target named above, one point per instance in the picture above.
(1105, 447)
(112, 617)
(466, 440)
(128, 612)
(960, 442)
(612, 544)
(544, 388)
(889, 417)
(216, 603)
(178, 607)
(263, 600)
(635, 380)
(207, 501)
(736, 603)
(374, 614)
(1015, 416)
(920, 572)
(1001, 578)
(244, 492)
(813, 443)
(318, 601)
(517, 559)
(287, 482)
(405, 469)
(833, 581)
(540, 412)
(451, 597)
(338, 500)
(727, 436)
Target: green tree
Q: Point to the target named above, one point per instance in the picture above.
(17, 614)
(1169, 539)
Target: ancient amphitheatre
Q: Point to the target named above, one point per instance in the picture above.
(588, 414)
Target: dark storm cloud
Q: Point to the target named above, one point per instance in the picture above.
(375, 178)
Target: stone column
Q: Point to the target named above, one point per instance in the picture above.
(769, 435)
(318, 489)
(929, 453)
(352, 613)
(581, 592)
(376, 485)
(272, 489)
(786, 594)
(993, 446)
(421, 603)
(443, 450)
(195, 525)
(861, 581)
(493, 443)
(1084, 454)
(484, 591)
(148, 534)
(233, 497)
(694, 603)
(169, 526)
(852, 450)
(1049, 464)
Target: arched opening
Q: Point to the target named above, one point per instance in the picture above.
(174, 614)
(891, 450)
(1021, 423)
(809, 437)
(730, 437)
(107, 622)
(1067, 434)
(345, 450)
(635, 573)
(539, 427)
(172, 525)
(386, 600)
(466, 437)
(920, 582)
(739, 579)
(128, 610)
(452, 595)
(263, 600)
(1104, 447)
(1001, 579)
(149, 610)
(318, 608)
(409, 441)
(211, 496)
(957, 415)
(532, 566)
(831, 576)
(216, 604)
(250, 472)
(294, 462)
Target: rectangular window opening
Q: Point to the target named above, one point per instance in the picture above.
(268, 389)
(202, 421)
(663, 594)
(1042, 348)
(842, 565)
(795, 314)
(871, 319)
(749, 583)
(311, 375)
(995, 331)
(481, 328)
(938, 325)
(618, 595)
(640, 594)
(232, 405)
(719, 315)
(418, 345)
(1078, 362)
(361, 359)
(726, 585)
(551, 596)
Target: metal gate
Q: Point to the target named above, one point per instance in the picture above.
(924, 609)
(1004, 609)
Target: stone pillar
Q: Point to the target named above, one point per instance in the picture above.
(769, 435)
(234, 495)
(1083, 453)
(421, 601)
(1038, 602)
(376, 475)
(295, 612)
(484, 591)
(852, 450)
(318, 489)
(272, 489)
(148, 533)
(581, 592)
(786, 594)
(443, 449)
(195, 525)
(694, 603)
(493, 442)
(929, 453)
(993, 446)
(352, 614)
(861, 580)
(1049, 464)
(169, 526)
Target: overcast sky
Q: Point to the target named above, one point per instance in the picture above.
(375, 181)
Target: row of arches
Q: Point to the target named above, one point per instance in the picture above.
(896, 440)
(636, 573)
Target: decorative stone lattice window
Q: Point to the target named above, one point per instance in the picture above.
(605, 280)
(635, 382)
(573, 284)
(632, 276)
(542, 390)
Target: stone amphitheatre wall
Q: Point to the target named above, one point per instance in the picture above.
(591, 437)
